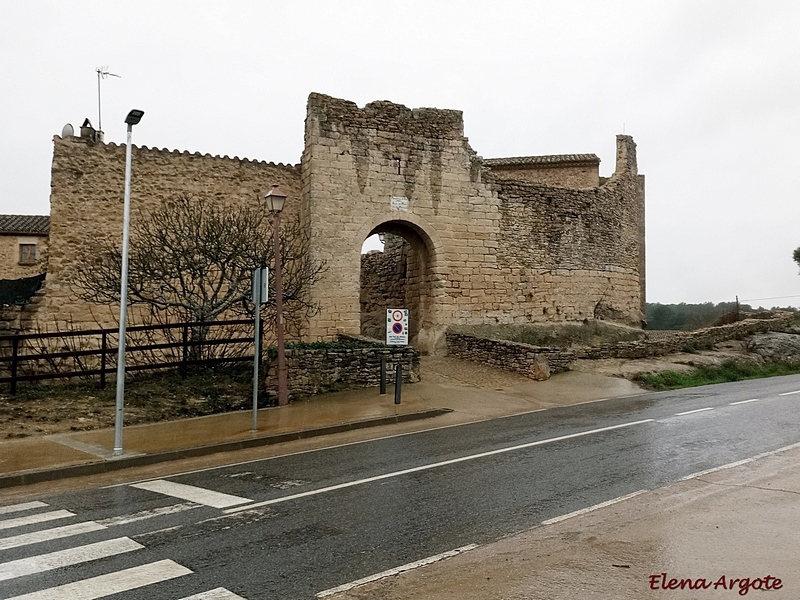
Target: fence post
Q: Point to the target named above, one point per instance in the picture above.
(14, 353)
(398, 382)
(383, 376)
(185, 355)
(103, 346)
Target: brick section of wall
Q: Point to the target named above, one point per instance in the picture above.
(87, 193)
(314, 371)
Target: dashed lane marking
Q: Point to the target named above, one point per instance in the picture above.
(589, 509)
(743, 402)
(790, 393)
(697, 410)
(396, 571)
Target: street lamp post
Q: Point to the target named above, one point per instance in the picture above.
(132, 119)
(275, 199)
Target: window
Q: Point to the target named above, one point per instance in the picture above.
(27, 254)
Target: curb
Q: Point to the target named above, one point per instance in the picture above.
(142, 460)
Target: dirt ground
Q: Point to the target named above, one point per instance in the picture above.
(60, 408)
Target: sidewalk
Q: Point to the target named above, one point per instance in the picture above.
(437, 401)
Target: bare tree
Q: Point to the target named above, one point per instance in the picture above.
(796, 256)
(192, 260)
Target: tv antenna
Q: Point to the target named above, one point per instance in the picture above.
(102, 73)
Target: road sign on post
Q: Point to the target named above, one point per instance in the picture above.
(397, 326)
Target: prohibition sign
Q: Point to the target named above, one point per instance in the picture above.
(397, 328)
(397, 316)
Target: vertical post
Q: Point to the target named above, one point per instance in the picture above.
(103, 347)
(283, 392)
(184, 350)
(383, 376)
(14, 357)
(123, 302)
(256, 341)
(398, 382)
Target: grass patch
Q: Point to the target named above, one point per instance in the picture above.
(706, 375)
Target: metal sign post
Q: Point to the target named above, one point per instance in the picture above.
(260, 296)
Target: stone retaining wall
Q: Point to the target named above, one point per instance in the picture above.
(315, 371)
(536, 362)
(539, 362)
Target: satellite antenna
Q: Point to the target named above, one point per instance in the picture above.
(102, 73)
(67, 131)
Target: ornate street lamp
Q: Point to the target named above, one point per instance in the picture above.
(275, 199)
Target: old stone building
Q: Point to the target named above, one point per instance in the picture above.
(23, 245)
(468, 240)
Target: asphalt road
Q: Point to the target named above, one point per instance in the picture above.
(297, 525)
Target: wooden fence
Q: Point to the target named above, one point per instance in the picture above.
(93, 352)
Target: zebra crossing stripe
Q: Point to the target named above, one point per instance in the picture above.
(4, 510)
(37, 518)
(65, 558)
(191, 493)
(215, 594)
(111, 583)
(49, 534)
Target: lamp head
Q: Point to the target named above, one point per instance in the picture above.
(275, 199)
(134, 116)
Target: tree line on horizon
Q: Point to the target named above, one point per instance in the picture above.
(694, 316)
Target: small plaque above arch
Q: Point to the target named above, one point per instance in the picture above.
(399, 203)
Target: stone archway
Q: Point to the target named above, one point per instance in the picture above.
(399, 276)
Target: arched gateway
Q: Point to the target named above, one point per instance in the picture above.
(519, 241)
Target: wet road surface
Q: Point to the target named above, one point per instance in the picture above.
(295, 526)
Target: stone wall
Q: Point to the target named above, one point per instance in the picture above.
(569, 171)
(536, 362)
(86, 204)
(314, 371)
(539, 362)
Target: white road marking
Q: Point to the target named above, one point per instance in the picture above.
(191, 493)
(111, 583)
(589, 509)
(49, 534)
(790, 393)
(374, 439)
(4, 510)
(396, 571)
(740, 462)
(215, 594)
(697, 410)
(37, 518)
(148, 514)
(432, 466)
(743, 402)
(65, 558)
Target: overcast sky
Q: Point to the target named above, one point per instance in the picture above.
(710, 91)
